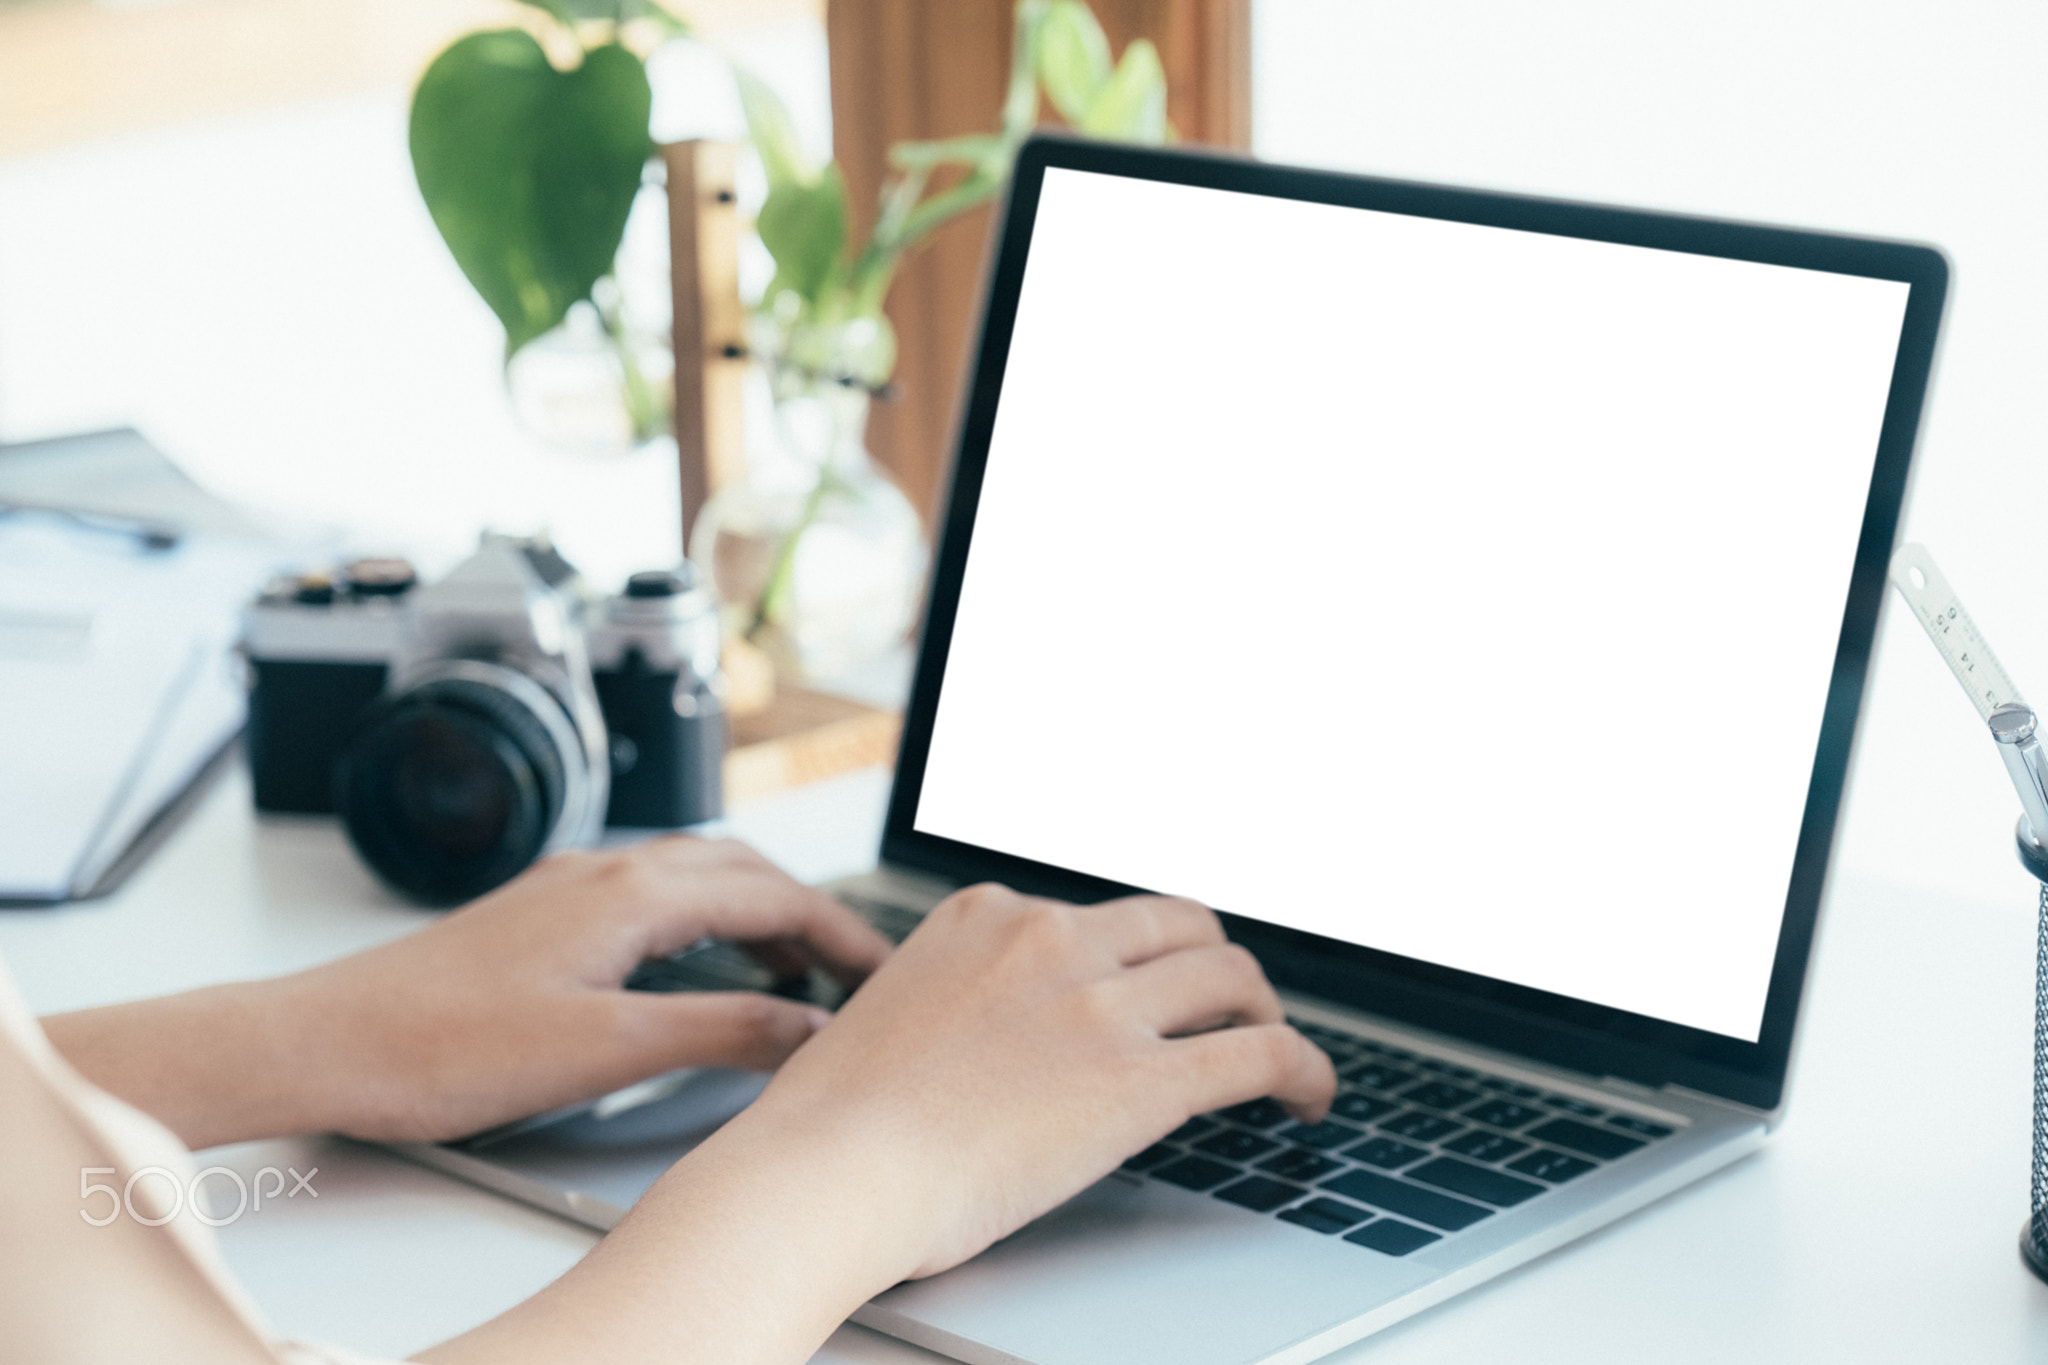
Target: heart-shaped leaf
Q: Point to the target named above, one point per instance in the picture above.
(1131, 105)
(804, 228)
(773, 131)
(529, 172)
(1073, 58)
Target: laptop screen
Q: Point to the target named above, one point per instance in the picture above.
(1418, 584)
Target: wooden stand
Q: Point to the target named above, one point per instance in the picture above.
(710, 325)
(802, 737)
(798, 735)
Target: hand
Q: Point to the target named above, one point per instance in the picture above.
(507, 1007)
(511, 1006)
(1016, 1049)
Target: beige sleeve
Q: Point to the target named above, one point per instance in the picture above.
(72, 1293)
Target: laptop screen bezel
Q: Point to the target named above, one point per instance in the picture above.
(1575, 1034)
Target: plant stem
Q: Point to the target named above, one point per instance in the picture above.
(644, 408)
(773, 602)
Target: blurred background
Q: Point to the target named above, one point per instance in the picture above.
(210, 229)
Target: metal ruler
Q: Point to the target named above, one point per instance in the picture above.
(1999, 704)
(1953, 632)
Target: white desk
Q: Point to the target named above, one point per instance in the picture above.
(1878, 1226)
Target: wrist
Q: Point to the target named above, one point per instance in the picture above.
(750, 1250)
(216, 1065)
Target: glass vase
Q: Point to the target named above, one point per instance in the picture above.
(817, 558)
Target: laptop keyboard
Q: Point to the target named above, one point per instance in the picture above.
(1414, 1149)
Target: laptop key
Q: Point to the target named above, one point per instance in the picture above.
(1555, 1167)
(1235, 1144)
(1481, 1145)
(1322, 1136)
(1330, 1041)
(1361, 1108)
(1572, 1106)
(1440, 1095)
(1504, 1114)
(1195, 1172)
(895, 921)
(1255, 1113)
(1191, 1130)
(1409, 1201)
(1475, 1182)
(1463, 1073)
(1299, 1163)
(1604, 1143)
(1379, 1076)
(1326, 1216)
(1148, 1158)
(1420, 1126)
(1385, 1153)
(1636, 1125)
(1391, 1236)
(1261, 1194)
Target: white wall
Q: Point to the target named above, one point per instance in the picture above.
(1922, 119)
(265, 296)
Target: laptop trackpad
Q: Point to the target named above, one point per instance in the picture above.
(1140, 1273)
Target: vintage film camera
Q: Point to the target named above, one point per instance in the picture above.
(465, 727)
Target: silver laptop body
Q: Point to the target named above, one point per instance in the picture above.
(1558, 766)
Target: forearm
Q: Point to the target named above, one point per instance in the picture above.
(750, 1251)
(225, 1063)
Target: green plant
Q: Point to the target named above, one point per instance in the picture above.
(822, 282)
(529, 145)
(819, 325)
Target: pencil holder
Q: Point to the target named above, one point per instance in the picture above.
(2034, 1236)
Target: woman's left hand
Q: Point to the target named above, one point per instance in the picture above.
(507, 1007)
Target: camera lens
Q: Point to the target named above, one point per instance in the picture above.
(452, 787)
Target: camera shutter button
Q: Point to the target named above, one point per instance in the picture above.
(655, 583)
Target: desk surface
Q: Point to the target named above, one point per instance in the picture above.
(1879, 1224)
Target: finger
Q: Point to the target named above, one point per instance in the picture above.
(742, 1030)
(1198, 989)
(684, 889)
(795, 925)
(1231, 1065)
(1140, 928)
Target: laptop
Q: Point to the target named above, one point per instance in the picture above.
(1471, 597)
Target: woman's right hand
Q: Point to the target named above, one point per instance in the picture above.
(1015, 1049)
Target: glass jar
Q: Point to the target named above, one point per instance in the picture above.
(816, 557)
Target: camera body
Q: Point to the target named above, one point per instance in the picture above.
(463, 728)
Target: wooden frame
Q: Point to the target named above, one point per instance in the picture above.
(906, 69)
(710, 337)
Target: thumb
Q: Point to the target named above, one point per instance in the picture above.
(743, 1030)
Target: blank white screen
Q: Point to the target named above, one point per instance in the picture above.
(1464, 593)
